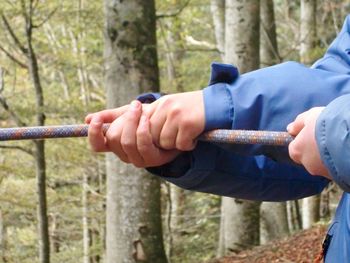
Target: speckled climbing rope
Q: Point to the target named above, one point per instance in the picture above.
(220, 136)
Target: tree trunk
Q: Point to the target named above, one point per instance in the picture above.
(174, 54)
(3, 239)
(269, 54)
(311, 205)
(273, 216)
(308, 31)
(44, 239)
(134, 231)
(218, 13)
(240, 219)
(311, 211)
(85, 221)
(273, 221)
(54, 235)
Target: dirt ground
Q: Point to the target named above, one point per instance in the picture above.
(302, 247)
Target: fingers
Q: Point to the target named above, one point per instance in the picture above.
(128, 136)
(294, 150)
(151, 154)
(168, 135)
(96, 136)
(107, 116)
(297, 125)
(157, 122)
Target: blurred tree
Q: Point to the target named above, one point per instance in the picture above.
(273, 216)
(269, 53)
(27, 50)
(239, 227)
(218, 14)
(308, 37)
(134, 230)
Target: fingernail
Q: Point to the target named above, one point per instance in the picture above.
(96, 121)
(289, 127)
(135, 104)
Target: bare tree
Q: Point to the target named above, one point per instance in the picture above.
(27, 50)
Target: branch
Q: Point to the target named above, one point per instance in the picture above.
(46, 19)
(16, 147)
(13, 35)
(59, 184)
(13, 115)
(176, 13)
(12, 57)
(200, 45)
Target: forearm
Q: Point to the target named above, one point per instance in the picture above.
(333, 139)
(269, 99)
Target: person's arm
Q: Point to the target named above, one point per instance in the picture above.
(333, 140)
(266, 99)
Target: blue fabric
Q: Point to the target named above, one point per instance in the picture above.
(149, 97)
(333, 140)
(339, 230)
(269, 99)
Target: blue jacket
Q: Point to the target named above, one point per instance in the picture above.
(269, 99)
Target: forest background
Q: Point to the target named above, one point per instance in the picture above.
(59, 60)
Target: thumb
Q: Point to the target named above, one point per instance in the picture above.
(297, 125)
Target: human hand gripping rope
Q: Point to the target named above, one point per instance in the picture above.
(275, 138)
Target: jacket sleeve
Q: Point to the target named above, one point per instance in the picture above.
(212, 169)
(333, 140)
(266, 99)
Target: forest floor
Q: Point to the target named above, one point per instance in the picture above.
(302, 247)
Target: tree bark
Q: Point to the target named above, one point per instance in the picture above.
(3, 239)
(240, 219)
(273, 216)
(44, 239)
(175, 53)
(269, 54)
(217, 8)
(273, 221)
(85, 221)
(134, 232)
(308, 33)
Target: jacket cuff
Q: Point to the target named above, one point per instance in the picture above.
(218, 102)
(218, 107)
(332, 136)
(149, 97)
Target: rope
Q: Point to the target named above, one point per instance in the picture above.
(218, 136)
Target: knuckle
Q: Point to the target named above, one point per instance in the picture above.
(186, 124)
(175, 111)
(127, 144)
(184, 145)
(294, 153)
(166, 144)
(113, 138)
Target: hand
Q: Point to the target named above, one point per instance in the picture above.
(177, 120)
(128, 136)
(303, 149)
